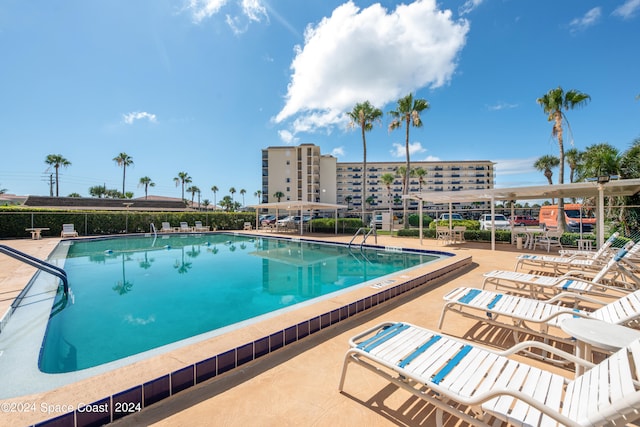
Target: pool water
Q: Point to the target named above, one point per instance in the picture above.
(133, 294)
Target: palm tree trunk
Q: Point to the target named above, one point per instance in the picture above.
(405, 189)
(57, 182)
(562, 224)
(364, 172)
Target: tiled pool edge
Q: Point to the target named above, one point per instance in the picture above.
(118, 405)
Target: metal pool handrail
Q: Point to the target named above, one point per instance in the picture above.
(38, 263)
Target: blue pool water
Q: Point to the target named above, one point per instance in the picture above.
(133, 294)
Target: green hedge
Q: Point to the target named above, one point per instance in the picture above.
(469, 223)
(13, 221)
(328, 225)
(414, 220)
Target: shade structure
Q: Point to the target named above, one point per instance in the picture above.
(300, 206)
(597, 188)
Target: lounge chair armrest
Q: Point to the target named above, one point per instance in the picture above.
(548, 348)
(563, 296)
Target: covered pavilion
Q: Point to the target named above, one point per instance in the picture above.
(598, 188)
(298, 206)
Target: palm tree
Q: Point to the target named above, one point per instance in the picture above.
(420, 173)
(364, 115)
(348, 200)
(387, 180)
(554, 104)
(193, 190)
(215, 190)
(242, 193)
(257, 195)
(600, 160)
(232, 190)
(545, 164)
(573, 158)
(278, 195)
(3, 190)
(407, 112)
(182, 178)
(56, 160)
(124, 160)
(146, 182)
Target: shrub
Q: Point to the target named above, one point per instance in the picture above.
(414, 220)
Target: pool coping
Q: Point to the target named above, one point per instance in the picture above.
(196, 363)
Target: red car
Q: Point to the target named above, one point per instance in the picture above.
(524, 220)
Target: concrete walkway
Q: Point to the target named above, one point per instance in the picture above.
(297, 385)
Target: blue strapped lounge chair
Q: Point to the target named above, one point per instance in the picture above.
(480, 386)
(527, 315)
(577, 281)
(563, 263)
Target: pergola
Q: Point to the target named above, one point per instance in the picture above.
(298, 206)
(598, 188)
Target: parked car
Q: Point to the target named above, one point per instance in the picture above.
(445, 216)
(524, 220)
(271, 219)
(500, 222)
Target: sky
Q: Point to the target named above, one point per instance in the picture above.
(202, 86)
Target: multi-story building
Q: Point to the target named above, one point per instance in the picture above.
(298, 173)
(303, 173)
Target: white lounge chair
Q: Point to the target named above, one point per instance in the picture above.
(532, 316)
(537, 285)
(559, 263)
(68, 230)
(184, 227)
(480, 386)
(603, 249)
(200, 227)
(247, 226)
(166, 228)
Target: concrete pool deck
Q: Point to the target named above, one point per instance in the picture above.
(295, 385)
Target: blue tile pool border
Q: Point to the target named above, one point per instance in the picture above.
(120, 404)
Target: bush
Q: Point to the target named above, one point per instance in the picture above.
(13, 221)
(328, 225)
(470, 224)
(414, 220)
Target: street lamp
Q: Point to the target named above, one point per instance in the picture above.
(126, 221)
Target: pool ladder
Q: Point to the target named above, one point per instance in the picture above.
(365, 233)
(39, 264)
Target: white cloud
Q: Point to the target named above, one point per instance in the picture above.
(501, 106)
(287, 137)
(431, 159)
(589, 19)
(249, 11)
(129, 118)
(628, 9)
(514, 166)
(369, 54)
(203, 9)
(399, 150)
(337, 152)
(469, 6)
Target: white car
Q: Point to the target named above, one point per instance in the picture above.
(500, 222)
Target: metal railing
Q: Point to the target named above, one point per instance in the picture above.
(39, 264)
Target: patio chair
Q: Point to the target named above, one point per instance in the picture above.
(200, 227)
(532, 316)
(549, 239)
(247, 226)
(458, 233)
(184, 227)
(537, 285)
(573, 262)
(68, 230)
(443, 233)
(482, 387)
(166, 228)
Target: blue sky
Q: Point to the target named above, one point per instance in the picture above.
(201, 86)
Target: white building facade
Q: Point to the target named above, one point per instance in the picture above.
(303, 173)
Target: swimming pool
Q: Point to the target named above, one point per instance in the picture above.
(133, 294)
